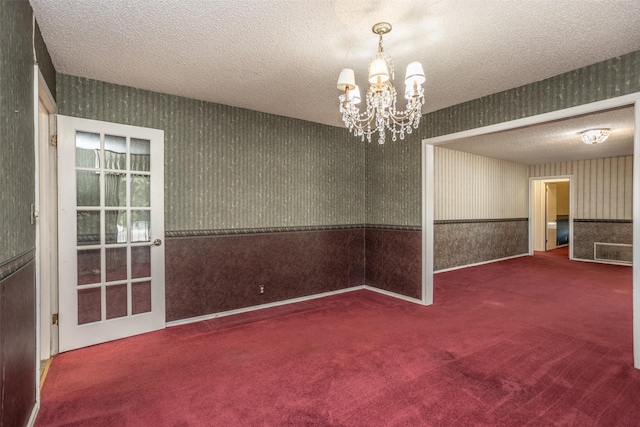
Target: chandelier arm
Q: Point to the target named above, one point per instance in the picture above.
(355, 118)
(363, 125)
(358, 121)
(400, 119)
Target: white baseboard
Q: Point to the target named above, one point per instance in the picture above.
(602, 262)
(393, 294)
(261, 306)
(290, 301)
(480, 263)
(34, 415)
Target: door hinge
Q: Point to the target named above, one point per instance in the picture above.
(54, 319)
(34, 214)
(54, 140)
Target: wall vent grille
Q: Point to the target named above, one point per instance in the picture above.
(619, 253)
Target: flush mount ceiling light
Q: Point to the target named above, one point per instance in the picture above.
(595, 136)
(381, 113)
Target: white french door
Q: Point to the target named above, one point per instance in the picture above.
(111, 229)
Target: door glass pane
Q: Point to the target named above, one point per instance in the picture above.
(115, 189)
(87, 150)
(89, 306)
(140, 297)
(140, 226)
(140, 191)
(116, 301)
(140, 154)
(140, 261)
(115, 152)
(115, 224)
(88, 224)
(87, 188)
(89, 266)
(116, 260)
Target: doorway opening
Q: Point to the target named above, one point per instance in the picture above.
(551, 220)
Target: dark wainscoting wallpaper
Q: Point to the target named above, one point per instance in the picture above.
(394, 260)
(588, 231)
(217, 273)
(460, 243)
(18, 345)
(15, 264)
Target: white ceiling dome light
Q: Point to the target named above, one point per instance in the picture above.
(595, 136)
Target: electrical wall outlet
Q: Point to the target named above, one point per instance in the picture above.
(261, 289)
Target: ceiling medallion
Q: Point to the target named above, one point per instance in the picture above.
(381, 113)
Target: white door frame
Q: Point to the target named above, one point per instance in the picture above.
(532, 195)
(428, 189)
(45, 292)
(46, 206)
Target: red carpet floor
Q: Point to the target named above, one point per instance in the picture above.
(539, 341)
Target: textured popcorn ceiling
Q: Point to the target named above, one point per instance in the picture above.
(284, 56)
(556, 141)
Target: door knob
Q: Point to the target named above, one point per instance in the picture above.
(156, 242)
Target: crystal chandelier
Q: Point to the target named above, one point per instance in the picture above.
(381, 112)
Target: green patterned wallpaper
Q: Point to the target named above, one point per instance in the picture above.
(44, 62)
(390, 181)
(227, 167)
(393, 172)
(233, 168)
(17, 190)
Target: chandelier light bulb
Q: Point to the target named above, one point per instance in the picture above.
(354, 95)
(378, 71)
(409, 92)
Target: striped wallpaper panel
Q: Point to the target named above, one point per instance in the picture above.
(232, 168)
(607, 79)
(603, 187)
(392, 187)
(468, 186)
(17, 159)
